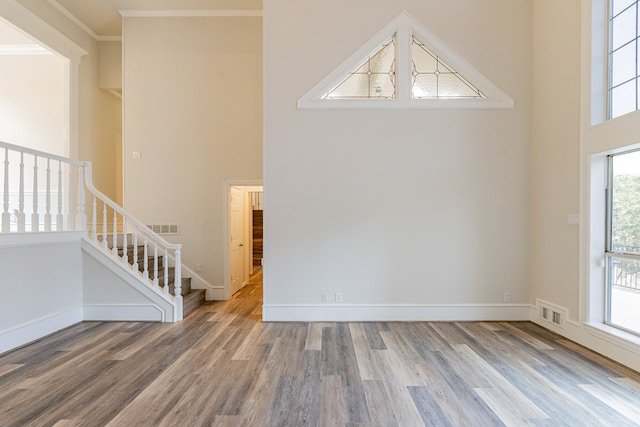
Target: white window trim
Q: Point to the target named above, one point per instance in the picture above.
(404, 26)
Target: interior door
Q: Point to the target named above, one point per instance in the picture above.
(237, 234)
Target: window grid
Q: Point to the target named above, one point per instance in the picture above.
(624, 73)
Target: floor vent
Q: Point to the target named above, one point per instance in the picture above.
(551, 314)
(165, 228)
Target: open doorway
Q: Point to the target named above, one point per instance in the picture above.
(244, 207)
(34, 96)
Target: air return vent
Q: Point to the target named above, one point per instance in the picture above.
(551, 313)
(165, 228)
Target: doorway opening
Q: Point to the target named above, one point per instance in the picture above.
(34, 103)
(244, 229)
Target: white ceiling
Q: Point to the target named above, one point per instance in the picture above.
(103, 17)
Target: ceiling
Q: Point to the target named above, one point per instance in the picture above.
(103, 18)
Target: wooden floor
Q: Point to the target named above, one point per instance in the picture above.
(221, 366)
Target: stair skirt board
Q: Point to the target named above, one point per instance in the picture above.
(120, 312)
(102, 273)
(27, 332)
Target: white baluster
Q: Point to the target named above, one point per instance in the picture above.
(60, 215)
(155, 263)
(81, 216)
(35, 218)
(70, 203)
(166, 270)
(47, 215)
(125, 248)
(6, 216)
(21, 197)
(145, 273)
(114, 249)
(135, 248)
(178, 284)
(105, 238)
(94, 220)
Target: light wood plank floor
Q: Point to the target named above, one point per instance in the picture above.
(223, 367)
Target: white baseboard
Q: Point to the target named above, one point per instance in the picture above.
(392, 312)
(38, 328)
(124, 312)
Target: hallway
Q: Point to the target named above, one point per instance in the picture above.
(221, 366)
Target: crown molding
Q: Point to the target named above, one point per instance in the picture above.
(190, 13)
(23, 49)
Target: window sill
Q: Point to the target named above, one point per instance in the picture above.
(615, 336)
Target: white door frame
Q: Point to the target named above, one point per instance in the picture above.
(227, 229)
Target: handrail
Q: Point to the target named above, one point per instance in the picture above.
(71, 183)
(38, 153)
(113, 205)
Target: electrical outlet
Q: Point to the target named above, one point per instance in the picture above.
(507, 297)
(338, 296)
(324, 297)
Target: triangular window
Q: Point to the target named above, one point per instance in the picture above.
(405, 66)
(431, 77)
(375, 77)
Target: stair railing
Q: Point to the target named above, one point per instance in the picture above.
(61, 206)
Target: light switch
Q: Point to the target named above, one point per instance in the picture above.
(137, 154)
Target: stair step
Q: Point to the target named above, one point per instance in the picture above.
(192, 300)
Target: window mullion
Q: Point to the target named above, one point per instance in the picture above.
(403, 63)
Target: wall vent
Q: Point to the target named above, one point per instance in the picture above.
(551, 314)
(165, 228)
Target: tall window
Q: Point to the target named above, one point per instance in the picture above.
(623, 242)
(624, 57)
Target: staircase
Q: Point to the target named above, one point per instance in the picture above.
(191, 298)
(60, 196)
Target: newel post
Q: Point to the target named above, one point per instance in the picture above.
(81, 215)
(177, 281)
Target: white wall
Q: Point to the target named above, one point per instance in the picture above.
(193, 109)
(41, 286)
(426, 208)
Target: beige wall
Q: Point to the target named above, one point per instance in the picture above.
(99, 123)
(423, 207)
(33, 101)
(555, 154)
(193, 109)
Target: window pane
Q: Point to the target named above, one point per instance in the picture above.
(451, 85)
(425, 86)
(623, 266)
(623, 64)
(625, 210)
(624, 293)
(623, 99)
(623, 28)
(620, 5)
(432, 78)
(423, 61)
(373, 78)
